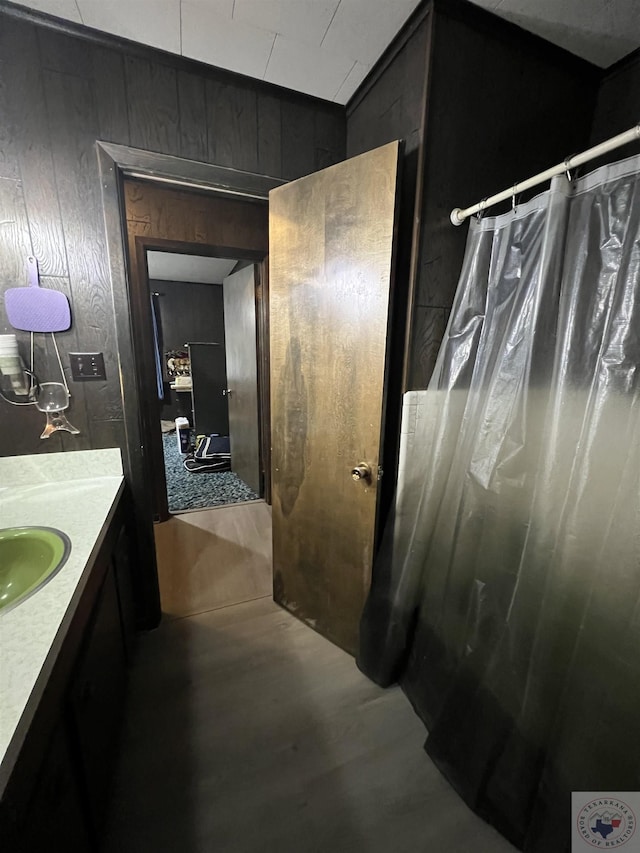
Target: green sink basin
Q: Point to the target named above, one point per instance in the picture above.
(29, 557)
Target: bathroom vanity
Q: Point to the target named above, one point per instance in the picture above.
(64, 653)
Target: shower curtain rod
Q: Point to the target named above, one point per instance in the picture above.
(458, 216)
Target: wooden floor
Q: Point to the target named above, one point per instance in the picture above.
(214, 557)
(247, 732)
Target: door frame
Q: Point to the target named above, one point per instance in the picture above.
(116, 162)
(150, 408)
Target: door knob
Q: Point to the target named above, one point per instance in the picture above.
(361, 472)
(227, 392)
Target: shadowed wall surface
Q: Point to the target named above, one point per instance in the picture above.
(59, 93)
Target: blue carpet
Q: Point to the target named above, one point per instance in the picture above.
(187, 490)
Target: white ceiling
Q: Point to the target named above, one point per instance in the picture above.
(326, 47)
(602, 31)
(320, 47)
(171, 266)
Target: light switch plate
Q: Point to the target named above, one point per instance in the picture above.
(86, 366)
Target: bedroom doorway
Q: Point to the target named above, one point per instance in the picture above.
(171, 232)
(205, 352)
(206, 557)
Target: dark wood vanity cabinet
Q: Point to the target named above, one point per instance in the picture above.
(122, 560)
(58, 791)
(53, 817)
(96, 699)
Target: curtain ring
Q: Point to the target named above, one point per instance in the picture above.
(566, 167)
(514, 206)
(481, 207)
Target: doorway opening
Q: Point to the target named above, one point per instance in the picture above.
(334, 261)
(206, 349)
(172, 234)
(157, 201)
(205, 352)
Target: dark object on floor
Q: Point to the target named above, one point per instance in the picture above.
(208, 489)
(208, 446)
(212, 453)
(195, 465)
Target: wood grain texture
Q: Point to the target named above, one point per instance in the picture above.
(21, 428)
(428, 331)
(192, 107)
(15, 241)
(9, 165)
(19, 50)
(214, 558)
(73, 124)
(110, 95)
(232, 125)
(618, 103)
(153, 105)
(139, 307)
(194, 217)
(298, 140)
(247, 732)
(242, 375)
(107, 434)
(145, 575)
(109, 82)
(392, 106)
(270, 134)
(330, 140)
(524, 88)
(48, 370)
(331, 249)
(64, 53)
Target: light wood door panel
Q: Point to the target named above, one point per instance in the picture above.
(331, 238)
(239, 290)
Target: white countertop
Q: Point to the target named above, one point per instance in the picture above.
(73, 492)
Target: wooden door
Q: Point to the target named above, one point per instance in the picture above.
(331, 238)
(239, 291)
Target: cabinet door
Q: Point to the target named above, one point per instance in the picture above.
(97, 696)
(122, 568)
(52, 818)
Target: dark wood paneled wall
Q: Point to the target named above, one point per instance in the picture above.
(502, 105)
(59, 92)
(390, 101)
(188, 312)
(499, 105)
(391, 105)
(618, 105)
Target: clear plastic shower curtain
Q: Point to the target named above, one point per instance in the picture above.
(506, 598)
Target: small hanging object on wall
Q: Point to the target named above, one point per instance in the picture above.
(37, 309)
(53, 399)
